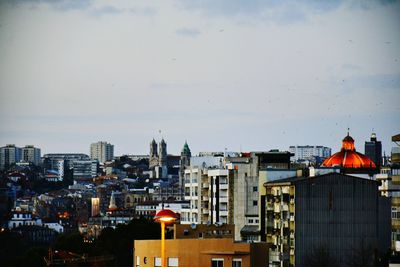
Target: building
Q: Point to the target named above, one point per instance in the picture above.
(59, 163)
(389, 177)
(207, 252)
(102, 151)
(343, 215)
(309, 153)
(210, 197)
(31, 154)
(9, 155)
(226, 190)
(349, 161)
(184, 163)
(85, 169)
(373, 150)
(158, 161)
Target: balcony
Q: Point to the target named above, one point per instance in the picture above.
(223, 186)
(206, 185)
(223, 213)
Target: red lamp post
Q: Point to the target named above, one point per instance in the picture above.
(164, 216)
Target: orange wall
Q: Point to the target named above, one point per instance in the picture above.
(195, 252)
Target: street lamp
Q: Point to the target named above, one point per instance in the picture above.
(164, 216)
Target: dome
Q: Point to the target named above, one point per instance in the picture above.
(348, 157)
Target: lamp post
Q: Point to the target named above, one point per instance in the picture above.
(164, 216)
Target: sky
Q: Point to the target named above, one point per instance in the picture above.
(222, 74)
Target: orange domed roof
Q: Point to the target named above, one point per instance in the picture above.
(348, 157)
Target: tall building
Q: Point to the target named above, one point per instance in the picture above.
(31, 154)
(9, 154)
(61, 162)
(373, 150)
(303, 153)
(102, 151)
(342, 216)
(208, 188)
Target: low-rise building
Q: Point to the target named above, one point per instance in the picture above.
(209, 252)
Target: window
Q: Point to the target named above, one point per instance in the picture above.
(237, 263)
(255, 189)
(173, 262)
(157, 262)
(217, 262)
(255, 202)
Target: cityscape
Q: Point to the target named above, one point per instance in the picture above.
(200, 133)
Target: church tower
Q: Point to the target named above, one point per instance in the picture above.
(153, 160)
(185, 162)
(162, 153)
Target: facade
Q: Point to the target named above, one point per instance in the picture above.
(343, 215)
(251, 171)
(31, 154)
(226, 190)
(373, 150)
(61, 162)
(158, 159)
(209, 252)
(85, 169)
(9, 154)
(102, 151)
(303, 153)
(209, 192)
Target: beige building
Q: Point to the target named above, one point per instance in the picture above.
(102, 151)
(222, 252)
(389, 178)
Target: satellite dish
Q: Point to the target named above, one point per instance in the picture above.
(193, 226)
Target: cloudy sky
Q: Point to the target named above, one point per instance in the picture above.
(236, 74)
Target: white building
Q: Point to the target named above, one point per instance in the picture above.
(20, 218)
(302, 153)
(102, 151)
(207, 191)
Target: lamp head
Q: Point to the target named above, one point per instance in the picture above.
(165, 216)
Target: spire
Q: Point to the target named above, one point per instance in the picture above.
(112, 205)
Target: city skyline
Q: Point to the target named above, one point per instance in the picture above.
(242, 76)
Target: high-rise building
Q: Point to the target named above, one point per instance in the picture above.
(373, 150)
(9, 154)
(31, 154)
(303, 153)
(102, 151)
